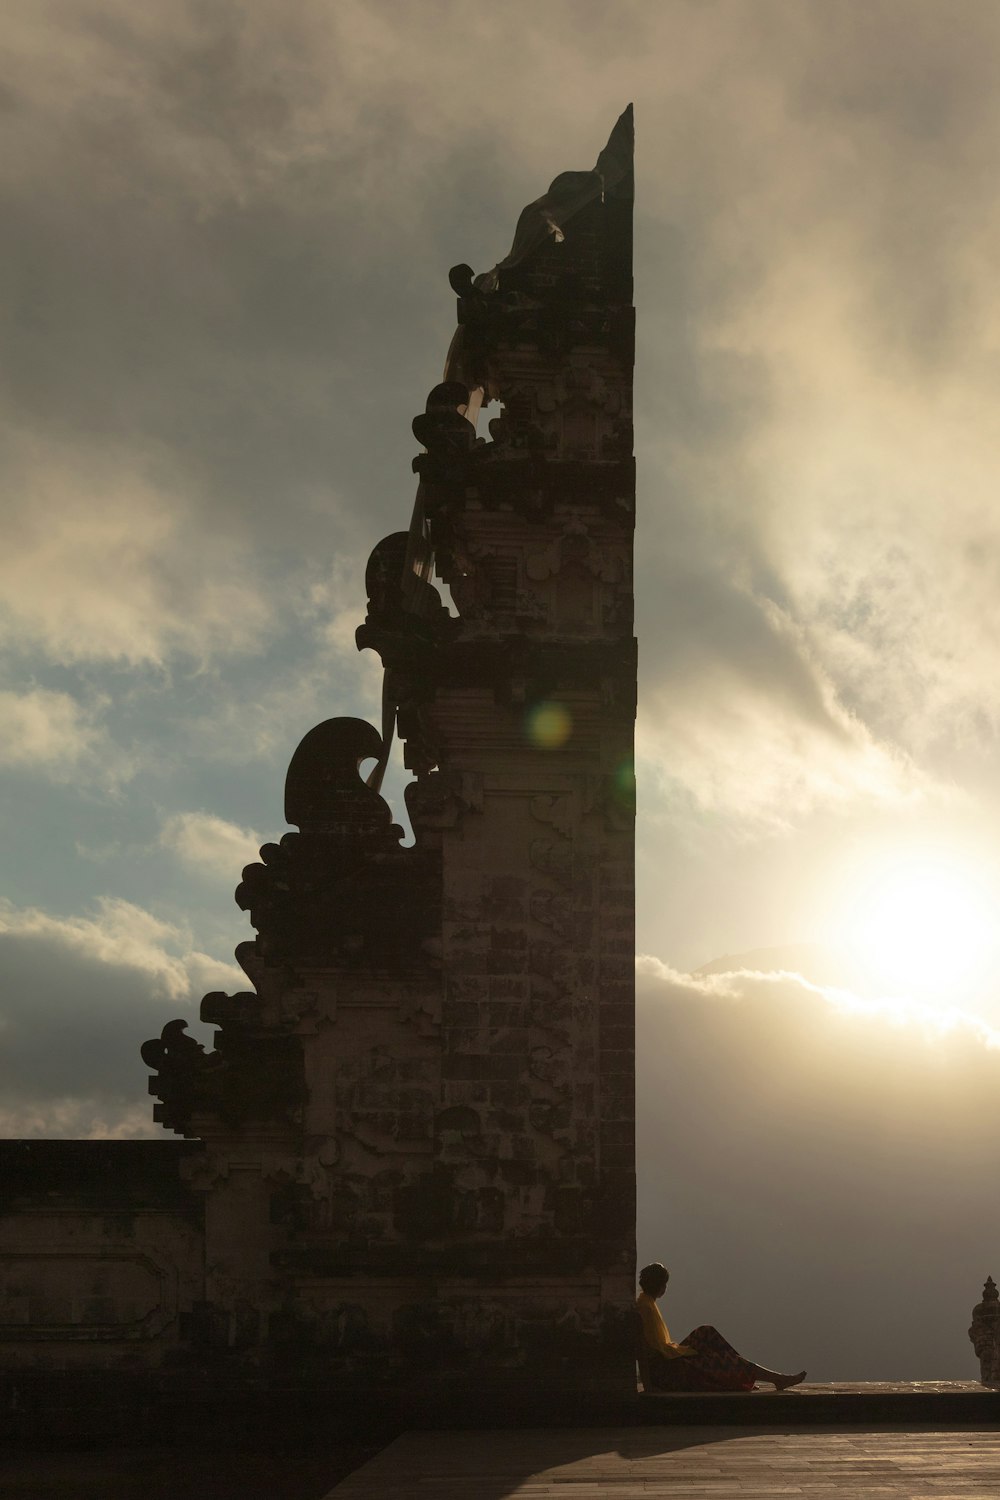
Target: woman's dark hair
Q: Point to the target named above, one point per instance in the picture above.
(652, 1278)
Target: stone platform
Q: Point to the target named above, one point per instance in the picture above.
(876, 1402)
(691, 1463)
(921, 1441)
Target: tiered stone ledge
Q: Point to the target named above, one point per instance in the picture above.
(906, 1402)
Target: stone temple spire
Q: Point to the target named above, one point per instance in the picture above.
(419, 1129)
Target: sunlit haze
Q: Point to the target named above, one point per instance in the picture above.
(923, 926)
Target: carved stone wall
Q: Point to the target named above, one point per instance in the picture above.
(101, 1254)
(478, 1217)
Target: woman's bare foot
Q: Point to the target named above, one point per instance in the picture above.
(783, 1382)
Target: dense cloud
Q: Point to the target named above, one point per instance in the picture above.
(229, 232)
(80, 996)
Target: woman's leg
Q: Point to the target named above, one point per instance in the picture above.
(728, 1370)
(775, 1378)
(721, 1367)
(674, 1374)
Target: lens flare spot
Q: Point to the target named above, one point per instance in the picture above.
(549, 725)
(624, 781)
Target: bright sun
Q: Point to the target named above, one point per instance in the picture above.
(922, 926)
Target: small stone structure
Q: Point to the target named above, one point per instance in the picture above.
(985, 1334)
(410, 1156)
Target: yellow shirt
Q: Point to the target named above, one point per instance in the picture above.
(655, 1331)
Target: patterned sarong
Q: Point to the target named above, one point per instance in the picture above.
(715, 1367)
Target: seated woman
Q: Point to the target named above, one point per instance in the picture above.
(704, 1361)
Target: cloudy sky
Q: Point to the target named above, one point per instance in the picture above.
(227, 230)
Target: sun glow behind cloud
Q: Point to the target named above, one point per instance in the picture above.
(921, 925)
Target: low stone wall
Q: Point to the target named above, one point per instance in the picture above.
(101, 1254)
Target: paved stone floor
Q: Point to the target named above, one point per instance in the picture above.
(704, 1463)
(823, 1441)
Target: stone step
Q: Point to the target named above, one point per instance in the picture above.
(66, 1406)
(903, 1403)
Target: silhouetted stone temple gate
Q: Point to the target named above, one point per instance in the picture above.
(410, 1159)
